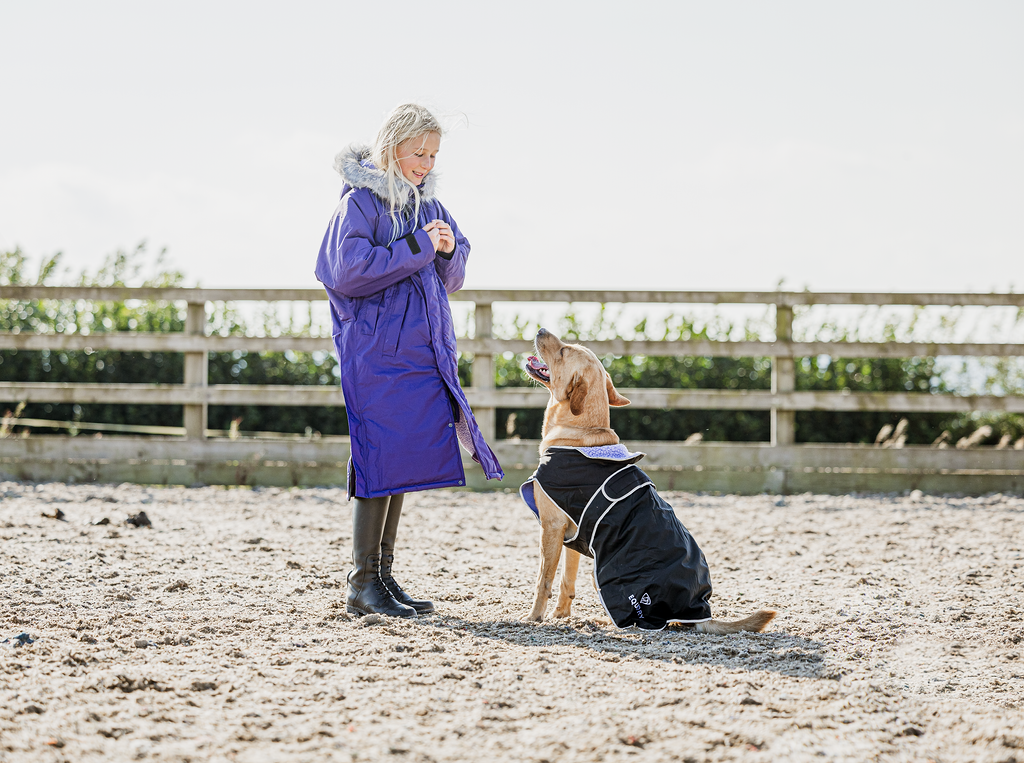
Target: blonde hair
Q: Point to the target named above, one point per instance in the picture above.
(404, 123)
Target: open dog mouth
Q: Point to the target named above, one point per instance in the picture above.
(536, 368)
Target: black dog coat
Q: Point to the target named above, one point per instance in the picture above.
(648, 570)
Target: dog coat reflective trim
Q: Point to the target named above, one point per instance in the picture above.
(648, 569)
(593, 477)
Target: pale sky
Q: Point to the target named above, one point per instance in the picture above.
(675, 145)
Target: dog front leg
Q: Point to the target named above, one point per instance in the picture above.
(550, 551)
(567, 591)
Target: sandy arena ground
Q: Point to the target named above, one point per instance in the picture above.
(220, 634)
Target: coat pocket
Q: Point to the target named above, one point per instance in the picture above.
(395, 320)
(368, 313)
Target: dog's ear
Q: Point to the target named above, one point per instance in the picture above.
(577, 393)
(614, 398)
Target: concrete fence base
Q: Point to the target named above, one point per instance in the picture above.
(743, 468)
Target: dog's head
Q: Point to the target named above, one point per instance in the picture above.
(581, 390)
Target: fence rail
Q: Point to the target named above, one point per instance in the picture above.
(488, 296)
(781, 465)
(151, 341)
(513, 397)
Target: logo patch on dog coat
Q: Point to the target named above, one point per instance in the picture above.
(636, 606)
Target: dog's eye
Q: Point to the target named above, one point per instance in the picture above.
(561, 353)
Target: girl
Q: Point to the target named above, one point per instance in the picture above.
(389, 259)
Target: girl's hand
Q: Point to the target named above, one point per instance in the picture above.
(434, 233)
(447, 237)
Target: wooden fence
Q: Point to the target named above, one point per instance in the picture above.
(780, 465)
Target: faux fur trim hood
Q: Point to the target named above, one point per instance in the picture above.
(355, 166)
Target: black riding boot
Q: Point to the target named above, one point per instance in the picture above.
(387, 558)
(366, 590)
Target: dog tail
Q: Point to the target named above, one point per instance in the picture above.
(756, 623)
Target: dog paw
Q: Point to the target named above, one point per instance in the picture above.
(531, 618)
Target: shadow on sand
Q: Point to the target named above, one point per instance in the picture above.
(773, 651)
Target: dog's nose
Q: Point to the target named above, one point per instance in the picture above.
(542, 332)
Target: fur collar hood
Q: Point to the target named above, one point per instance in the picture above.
(356, 167)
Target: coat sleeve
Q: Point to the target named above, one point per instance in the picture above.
(354, 265)
(452, 267)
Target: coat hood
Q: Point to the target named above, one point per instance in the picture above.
(354, 164)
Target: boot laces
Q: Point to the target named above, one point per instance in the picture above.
(381, 586)
(385, 574)
(378, 576)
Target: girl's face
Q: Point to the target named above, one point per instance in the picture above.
(416, 157)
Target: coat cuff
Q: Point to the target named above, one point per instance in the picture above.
(447, 255)
(414, 245)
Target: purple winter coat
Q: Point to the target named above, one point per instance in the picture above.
(395, 340)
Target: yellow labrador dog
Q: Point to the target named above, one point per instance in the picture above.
(588, 495)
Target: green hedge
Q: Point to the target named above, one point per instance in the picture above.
(869, 375)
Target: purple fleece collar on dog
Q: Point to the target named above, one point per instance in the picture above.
(617, 452)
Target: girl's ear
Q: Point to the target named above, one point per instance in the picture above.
(577, 393)
(614, 398)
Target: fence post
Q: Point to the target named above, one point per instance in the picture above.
(783, 379)
(197, 372)
(483, 371)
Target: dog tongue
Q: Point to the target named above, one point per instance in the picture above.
(538, 369)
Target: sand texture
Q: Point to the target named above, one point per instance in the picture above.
(220, 633)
